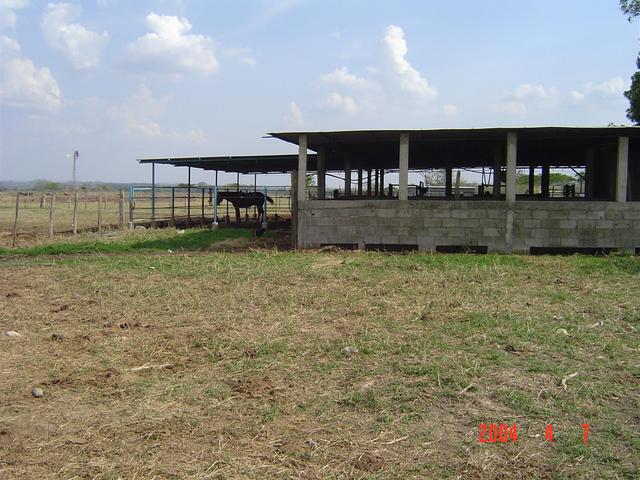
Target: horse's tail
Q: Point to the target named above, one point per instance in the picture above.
(269, 199)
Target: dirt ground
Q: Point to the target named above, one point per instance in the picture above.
(271, 364)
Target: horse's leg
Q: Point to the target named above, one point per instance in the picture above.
(260, 214)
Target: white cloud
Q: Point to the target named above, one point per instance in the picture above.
(341, 76)
(21, 83)
(336, 101)
(244, 55)
(82, 47)
(140, 116)
(527, 91)
(510, 108)
(450, 110)
(408, 77)
(170, 48)
(614, 87)
(296, 118)
(8, 16)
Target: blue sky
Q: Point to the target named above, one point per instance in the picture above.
(118, 79)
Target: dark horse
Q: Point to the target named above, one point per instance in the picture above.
(245, 200)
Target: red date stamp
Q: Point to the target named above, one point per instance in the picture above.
(503, 433)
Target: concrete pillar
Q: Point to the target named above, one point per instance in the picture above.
(294, 208)
(544, 181)
(376, 188)
(498, 150)
(622, 169)
(512, 147)
(403, 188)
(589, 173)
(382, 182)
(448, 181)
(322, 173)
(532, 180)
(347, 176)
(359, 182)
(369, 173)
(302, 168)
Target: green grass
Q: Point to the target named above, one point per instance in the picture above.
(190, 240)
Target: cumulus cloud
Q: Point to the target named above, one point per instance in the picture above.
(511, 108)
(22, 84)
(524, 96)
(140, 116)
(82, 47)
(296, 118)
(409, 79)
(336, 101)
(170, 48)
(614, 87)
(527, 91)
(341, 76)
(8, 15)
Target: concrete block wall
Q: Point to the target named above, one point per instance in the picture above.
(495, 224)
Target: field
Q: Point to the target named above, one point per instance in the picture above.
(163, 356)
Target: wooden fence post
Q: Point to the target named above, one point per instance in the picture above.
(43, 200)
(15, 222)
(121, 209)
(99, 213)
(74, 223)
(53, 200)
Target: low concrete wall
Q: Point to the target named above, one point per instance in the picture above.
(495, 224)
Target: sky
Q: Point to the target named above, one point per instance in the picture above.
(119, 79)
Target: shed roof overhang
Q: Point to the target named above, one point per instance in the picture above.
(432, 148)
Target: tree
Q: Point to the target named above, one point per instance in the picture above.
(433, 177)
(631, 8)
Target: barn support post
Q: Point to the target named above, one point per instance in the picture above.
(512, 147)
(544, 181)
(294, 208)
(376, 184)
(302, 169)
(238, 182)
(153, 194)
(188, 196)
(264, 210)
(347, 176)
(403, 188)
(369, 173)
(622, 169)
(532, 179)
(214, 223)
(173, 206)
(381, 191)
(497, 167)
(589, 180)
(448, 181)
(359, 182)
(456, 192)
(202, 209)
(322, 173)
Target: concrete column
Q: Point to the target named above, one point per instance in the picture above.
(512, 147)
(382, 182)
(497, 166)
(302, 168)
(359, 182)
(622, 169)
(322, 173)
(544, 181)
(369, 173)
(347, 176)
(376, 188)
(448, 181)
(532, 179)
(294, 208)
(589, 173)
(403, 189)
